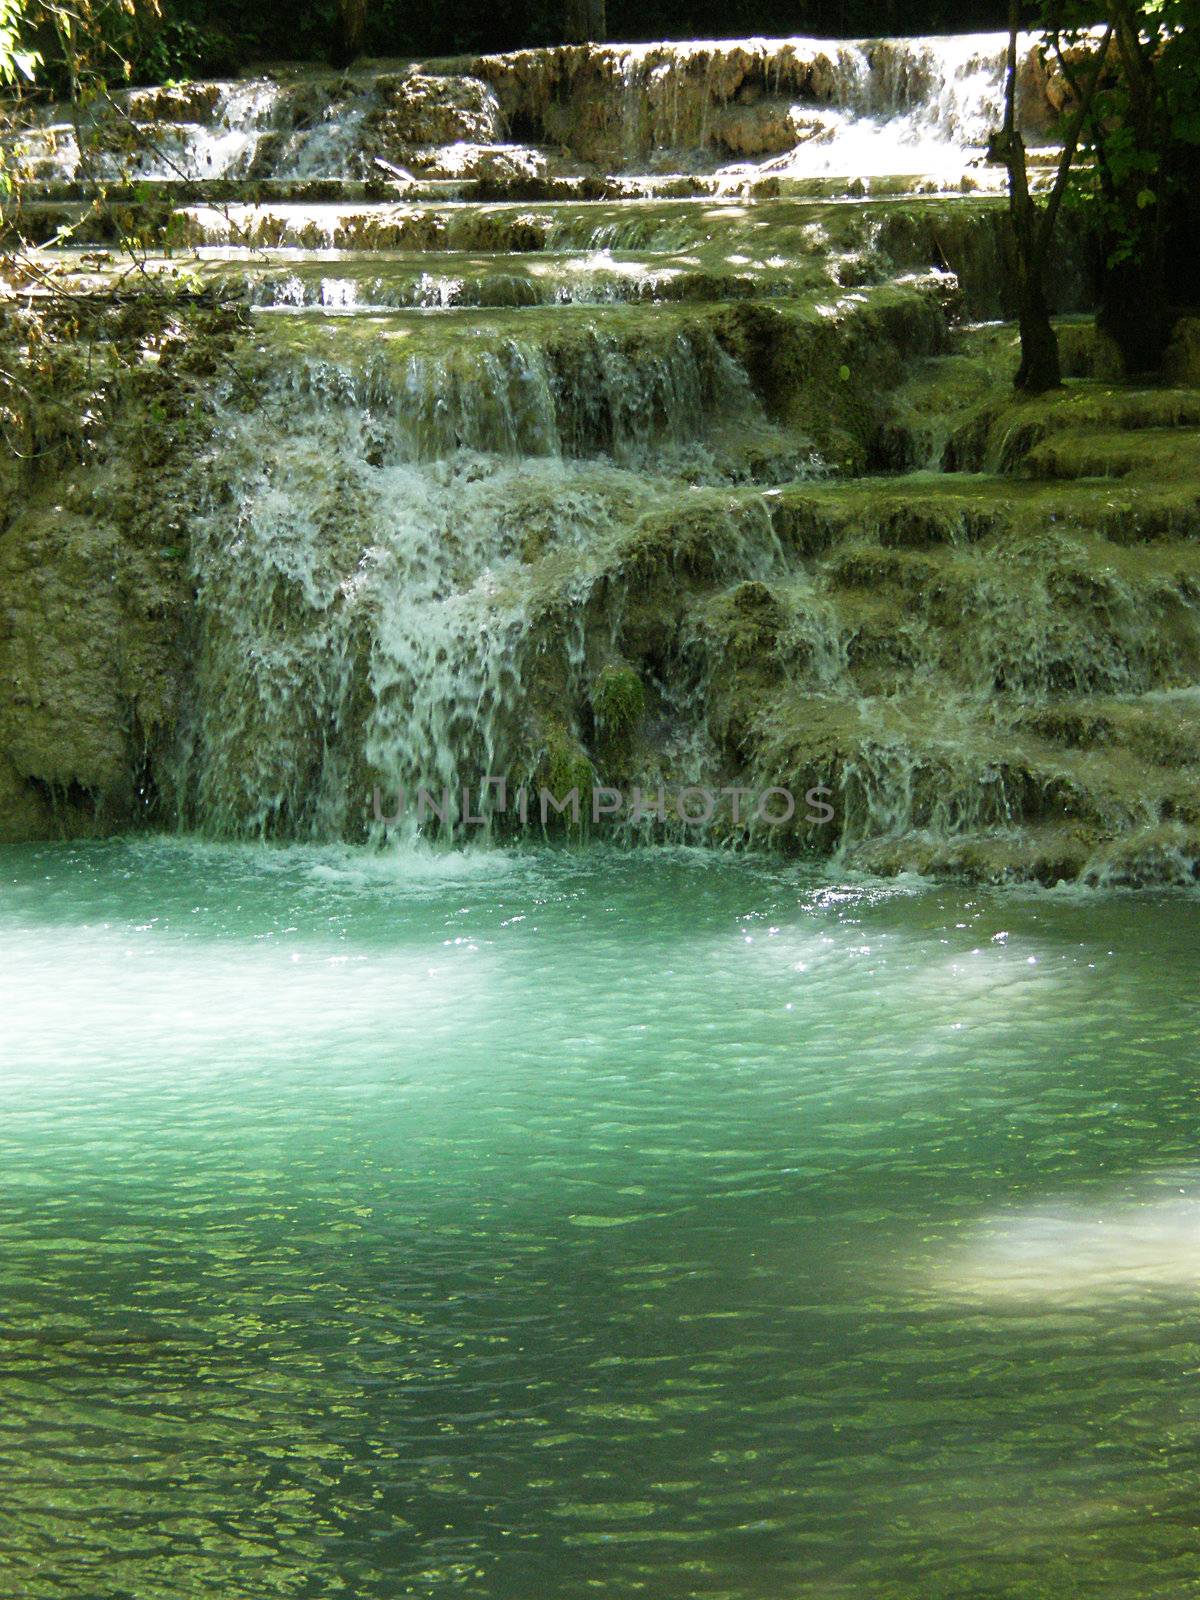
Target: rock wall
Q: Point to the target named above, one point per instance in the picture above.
(95, 589)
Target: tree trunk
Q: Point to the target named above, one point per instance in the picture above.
(1040, 369)
(1135, 310)
(1134, 294)
(584, 21)
(1033, 225)
(1183, 231)
(348, 31)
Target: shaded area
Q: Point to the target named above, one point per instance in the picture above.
(296, 30)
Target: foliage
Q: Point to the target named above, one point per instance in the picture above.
(1033, 223)
(198, 37)
(1144, 112)
(16, 62)
(1132, 108)
(186, 48)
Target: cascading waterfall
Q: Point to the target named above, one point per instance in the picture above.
(366, 602)
(934, 99)
(596, 420)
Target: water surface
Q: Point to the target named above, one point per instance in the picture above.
(573, 1223)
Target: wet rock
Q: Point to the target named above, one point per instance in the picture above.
(420, 110)
(577, 487)
(763, 128)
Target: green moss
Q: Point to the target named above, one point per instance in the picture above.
(796, 356)
(1161, 732)
(702, 537)
(1001, 434)
(1156, 453)
(564, 766)
(93, 556)
(1166, 853)
(618, 700)
(1048, 854)
(749, 621)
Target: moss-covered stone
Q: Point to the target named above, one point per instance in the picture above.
(95, 592)
(564, 769)
(618, 700)
(826, 370)
(1182, 362)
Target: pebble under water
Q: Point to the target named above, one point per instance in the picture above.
(558, 1223)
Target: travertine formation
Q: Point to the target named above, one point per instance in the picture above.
(594, 416)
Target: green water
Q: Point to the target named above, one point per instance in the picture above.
(577, 1224)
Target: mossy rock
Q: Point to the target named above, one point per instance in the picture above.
(825, 369)
(565, 766)
(1155, 453)
(1182, 362)
(1049, 854)
(749, 621)
(618, 700)
(1166, 854)
(1000, 435)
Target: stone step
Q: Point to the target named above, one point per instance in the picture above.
(1147, 856)
(345, 284)
(847, 243)
(1161, 727)
(45, 182)
(921, 512)
(1149, 452)
(148, 193)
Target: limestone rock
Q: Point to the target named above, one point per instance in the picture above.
(419, 110)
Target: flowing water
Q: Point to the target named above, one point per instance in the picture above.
(569, 1222)
(545, 366)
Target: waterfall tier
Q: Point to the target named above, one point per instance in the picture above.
(733, 117)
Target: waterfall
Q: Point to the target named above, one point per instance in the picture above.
(365, 595)
(632, 417)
